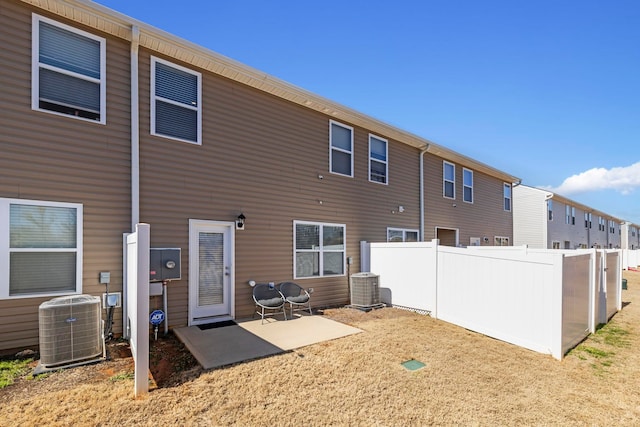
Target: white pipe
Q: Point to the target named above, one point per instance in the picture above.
(422, 153)
(135, 130)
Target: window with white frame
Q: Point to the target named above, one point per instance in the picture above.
(176, 107)
(501, 241)
(448, 180)
(567, 210)
(378, 166)
(555, 244)
(467, 185)
(402, 235)
(601, 226)
(550, 210)
(573, 215)
(68, 74)
(341, 149)
(44, 244)
(506, 194)
(319, 249)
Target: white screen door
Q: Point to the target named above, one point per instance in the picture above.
(210, 271)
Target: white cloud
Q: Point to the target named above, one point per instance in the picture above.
(621, 179)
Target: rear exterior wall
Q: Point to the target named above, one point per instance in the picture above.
(269, 159)
(47, 157)
(484, 217)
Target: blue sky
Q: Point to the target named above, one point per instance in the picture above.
(548, 91)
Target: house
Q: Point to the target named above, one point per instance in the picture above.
(108, 122)
(543, 219)
(630, 238)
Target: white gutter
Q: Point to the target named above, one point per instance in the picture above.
(135, 130)
(422, 153)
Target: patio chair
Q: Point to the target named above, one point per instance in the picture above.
(267, 297)
(296, 296)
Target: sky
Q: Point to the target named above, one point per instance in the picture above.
(545, 90)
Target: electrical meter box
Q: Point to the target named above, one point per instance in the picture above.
(164, 264)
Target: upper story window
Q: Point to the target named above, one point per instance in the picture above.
(44, 244)
(319, 249)
(601, 226)
(402, 235)
(467, 185)
(573, 215)
(378, 166)
(550, 210)
(176, 94)
(68, 74)
(448, 180)
(587, 220)
(506, 194)
(341, 148)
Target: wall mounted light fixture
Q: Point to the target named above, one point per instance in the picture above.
(240, 220)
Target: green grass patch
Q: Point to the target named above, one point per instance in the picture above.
(12, 369)
(596, 352)
(122, 377)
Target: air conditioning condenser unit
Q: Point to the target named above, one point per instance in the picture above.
(70, 331)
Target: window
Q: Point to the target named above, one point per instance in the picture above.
(341, 149)
(555, 245)
(449, 180)
(501, 241)
(44, 242)
(550, 210)
(401, 235)
(319, 249)
(467, 185)
(176, 110)
(573, 216)
(378, 166)
(601, 226)
(567, 214)
(587, 220)
(68, 71)
(506, 193)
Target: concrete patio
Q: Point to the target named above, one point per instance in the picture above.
(252, 339)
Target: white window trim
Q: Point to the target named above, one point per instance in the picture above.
(386, 162)
(469, 186)
(331, 147)
(35, 68)
(198, 109)
(445, 180)
(504, 197)
(4, 243)
(404, 232)
(320, 250)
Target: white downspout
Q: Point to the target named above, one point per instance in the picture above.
(422, 153)
(135, 130)
(135, 167)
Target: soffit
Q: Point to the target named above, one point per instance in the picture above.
(119, 25)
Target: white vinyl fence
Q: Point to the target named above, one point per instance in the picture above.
(137, 304)
(630, 258)
(543, 300)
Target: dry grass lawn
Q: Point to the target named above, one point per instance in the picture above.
(468, 379)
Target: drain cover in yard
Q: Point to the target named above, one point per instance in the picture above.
(413, 365)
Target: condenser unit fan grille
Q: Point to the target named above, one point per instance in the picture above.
(70, 330)
(365, 290)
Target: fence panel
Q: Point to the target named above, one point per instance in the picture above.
(408, 271)
(578, 291)
(513, 297)
(613, 280)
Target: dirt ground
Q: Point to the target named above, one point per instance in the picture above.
(468, 379)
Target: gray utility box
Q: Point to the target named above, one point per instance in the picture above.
(164, 264)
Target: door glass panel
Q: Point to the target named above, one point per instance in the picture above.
(211, 274)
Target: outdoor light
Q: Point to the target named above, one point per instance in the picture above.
(240, 222)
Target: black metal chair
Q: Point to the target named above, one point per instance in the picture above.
(296, 296)
(268, 297)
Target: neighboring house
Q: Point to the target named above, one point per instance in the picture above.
(543, 219)
(108, 122)
(630, 238)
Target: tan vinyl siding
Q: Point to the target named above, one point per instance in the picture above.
(263, 156)
(485, 217)
(54, 158)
